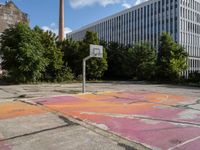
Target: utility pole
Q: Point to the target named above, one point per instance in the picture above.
(61, 21)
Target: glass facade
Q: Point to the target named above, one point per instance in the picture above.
(147, 21)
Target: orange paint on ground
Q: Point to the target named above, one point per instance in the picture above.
(165, 98)
(143, 117)
(93, 97)
(16, 109)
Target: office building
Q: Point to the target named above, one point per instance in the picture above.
(146, 22)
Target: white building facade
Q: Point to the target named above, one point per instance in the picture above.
(146, 22)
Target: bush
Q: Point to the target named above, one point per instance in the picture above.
(143, 61)
(23, 54)
(194, 77)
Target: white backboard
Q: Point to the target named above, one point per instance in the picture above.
(96, 51)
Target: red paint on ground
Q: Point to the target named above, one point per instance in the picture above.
(4, 146)
(193, 145)
(114, 111)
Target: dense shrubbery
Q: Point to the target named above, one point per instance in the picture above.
(75, 52)
(194, 77)
(141, 62)
(23, 54)
(171, 60)
(32, 55)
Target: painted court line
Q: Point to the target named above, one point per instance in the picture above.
(184, 143)
(142, 117)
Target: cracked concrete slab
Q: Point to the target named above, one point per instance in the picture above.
(12, 92)
(157, 120)
(28, 124)
(157, 116)
(70, 138)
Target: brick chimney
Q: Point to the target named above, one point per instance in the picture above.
(61, 21)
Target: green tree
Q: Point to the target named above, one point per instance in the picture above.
(194, 77)
(71, 57)
(172, 59)
(23, 54)
(143, 61)
(53, 55)
(118, 61)
(96, 67)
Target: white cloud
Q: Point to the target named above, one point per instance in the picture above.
(52, 25)
(67, 30)
(54, 29)
(139, 1)
(126, 5)
(83, 3)
(129, 4)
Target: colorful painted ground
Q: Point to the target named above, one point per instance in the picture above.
(10, 111)
(157, 120)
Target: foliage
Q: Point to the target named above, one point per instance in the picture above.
(119, 66)
(96, 67)
(143, 61)
(23, 53)
(75, 52)
(31, 55)
(71, 57)
(65, 74)
(194, 77)
(172, 59)
(52, 53)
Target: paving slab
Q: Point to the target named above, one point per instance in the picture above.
(25, 126)
(19, 126)
(68, 138)
(157, 120)
(155, 115)
(13, 92)
(17, 109)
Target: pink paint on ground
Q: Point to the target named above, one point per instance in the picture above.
(159, 113)
(194, 145)
(98, 109)
(4, 146)
(57, 100)
(155, 134)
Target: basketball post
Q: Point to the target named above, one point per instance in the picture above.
(84, 73)
(95, 51)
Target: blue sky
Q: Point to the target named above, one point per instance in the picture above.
(78, 13)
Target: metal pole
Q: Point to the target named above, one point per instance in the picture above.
(83, 88)
(84, 74)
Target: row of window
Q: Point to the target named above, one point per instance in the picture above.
(190, 15)
(191, 42)
(194, 65)
(193, 4)
(190, 26)
(143, 13)
(118, 28)
(138, 25)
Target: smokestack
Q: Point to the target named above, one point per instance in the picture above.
(61, 21)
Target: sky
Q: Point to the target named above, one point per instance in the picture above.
(78, 13)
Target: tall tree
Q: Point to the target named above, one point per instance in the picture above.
(52, 53)
(96, 67)
(23, 53)
(172, 59)
(71, 57)
(118, 61)
(143, 61)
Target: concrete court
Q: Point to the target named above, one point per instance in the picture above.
(157, 116)
(29, 127)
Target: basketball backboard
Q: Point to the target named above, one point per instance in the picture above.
(96, 51)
